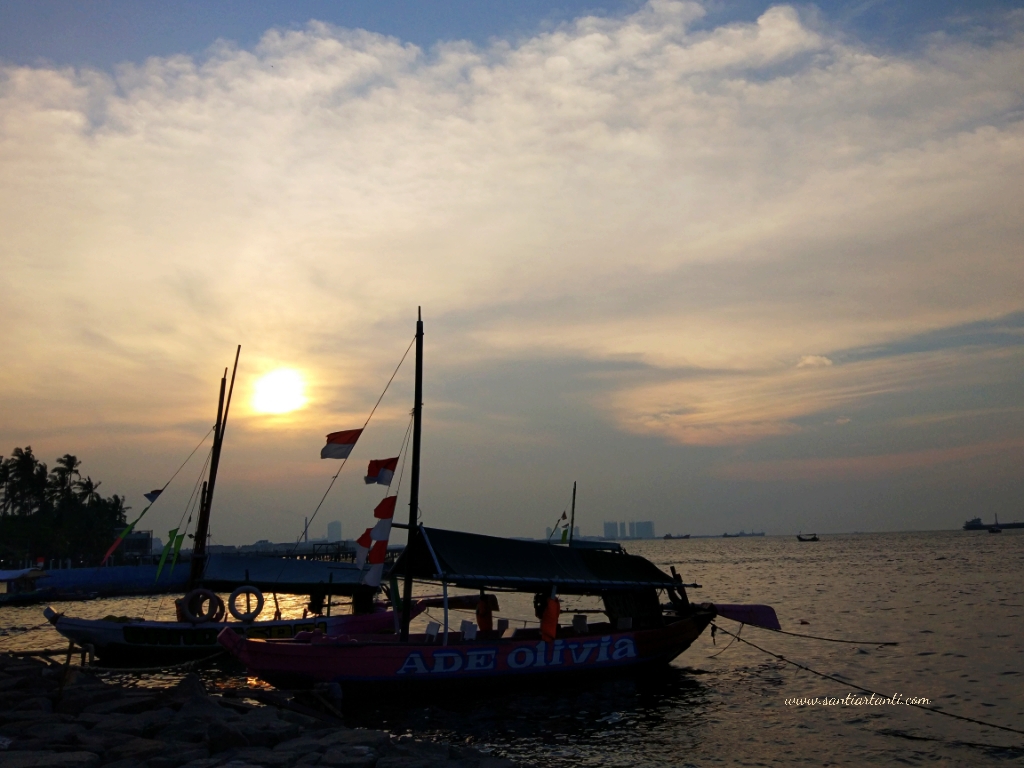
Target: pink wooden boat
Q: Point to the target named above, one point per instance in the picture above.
(316, 658)
(640, 631)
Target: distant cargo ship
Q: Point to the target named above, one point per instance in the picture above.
(977, 525)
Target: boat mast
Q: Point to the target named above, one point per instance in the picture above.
(203, 523)
(572, 518)
(414, 491)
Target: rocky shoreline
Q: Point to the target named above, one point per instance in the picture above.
(55, 716)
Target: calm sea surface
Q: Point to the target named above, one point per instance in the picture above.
(954, 601)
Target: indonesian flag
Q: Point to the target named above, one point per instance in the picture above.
(385, 510)
(373, 576)
(376, 559)
(340, 444)
(377, 552)
(382, 530)
(381, 471)
(363, 544)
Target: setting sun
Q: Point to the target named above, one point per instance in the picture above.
(279, 391)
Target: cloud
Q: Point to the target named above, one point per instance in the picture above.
(712, 201)
(830, 470)
(813, 361)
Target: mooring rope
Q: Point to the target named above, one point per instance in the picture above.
(780, 657)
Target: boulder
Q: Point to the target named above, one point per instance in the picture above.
(136, 749)
(46, 759)
(174, 758)
(349, 757)
(358, 737)
(222, 736)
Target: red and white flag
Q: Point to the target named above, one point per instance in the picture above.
(376, 560)
(382, 530)
(340, 444)
(363, 544)
(386, 509)
(381, 471)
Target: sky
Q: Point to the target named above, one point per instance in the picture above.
(726, 265)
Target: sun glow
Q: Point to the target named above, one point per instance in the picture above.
(280, 391)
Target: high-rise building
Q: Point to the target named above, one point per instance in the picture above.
(632, 529)
(334, 530)
(645, 529)
(622, 530)
(611, 530)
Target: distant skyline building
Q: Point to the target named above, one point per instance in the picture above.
(632, 529)
(622, 530)
(334, 530)
(644, 529)
(611, 530)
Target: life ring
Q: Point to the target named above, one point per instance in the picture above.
(192, 607)
(250, 615)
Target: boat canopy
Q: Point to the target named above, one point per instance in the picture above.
(476, 561)
(225, 571)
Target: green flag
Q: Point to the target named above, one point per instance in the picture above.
(167, 549)
(177, 548)
(122, 536)
(565, 534)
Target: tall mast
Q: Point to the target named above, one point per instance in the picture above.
(203, 523)
(414, 491)
(572, 519)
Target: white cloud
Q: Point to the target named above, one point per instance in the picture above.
(723, 199)
(813, 361)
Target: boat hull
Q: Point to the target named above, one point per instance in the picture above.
(354, 661)
(124, 642)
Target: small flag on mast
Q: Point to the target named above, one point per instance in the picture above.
(152, 495)
(340, 444)
(381, 471)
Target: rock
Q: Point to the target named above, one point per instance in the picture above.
(136, 749)
(100, 741)
(35, 703)
(190, 685)
(145, 724)
(349, 757)
(206, 762)
(175, 757)
(303, 744)
(44, 759)
(74, 700)
(259, 756)
(358, 737)
(56, 733)
(414, 754)
(267, 733)
(409, 761)
(221, 736)
(129, 704)
(20, 726)
(204, 708)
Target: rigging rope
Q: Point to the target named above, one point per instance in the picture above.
(866, 690)
(345, 460)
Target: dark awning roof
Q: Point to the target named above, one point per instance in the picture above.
(473, 560)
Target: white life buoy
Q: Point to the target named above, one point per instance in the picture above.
(249, 615)
(192, 606)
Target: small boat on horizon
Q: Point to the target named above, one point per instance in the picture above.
(812, 537)
(669, 536)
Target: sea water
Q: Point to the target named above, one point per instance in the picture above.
(953, 601)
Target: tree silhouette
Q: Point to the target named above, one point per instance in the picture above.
(56, 513)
